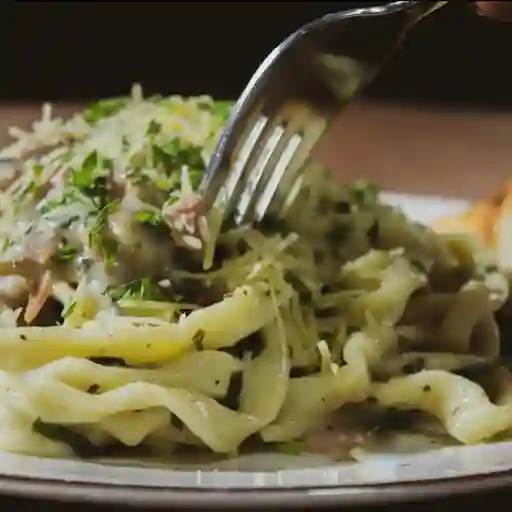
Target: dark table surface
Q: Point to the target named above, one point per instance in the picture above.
(471, 503)
(83, 49)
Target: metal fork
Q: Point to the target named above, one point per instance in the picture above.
(290, 101)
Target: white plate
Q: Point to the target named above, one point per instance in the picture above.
(425, 208)
(409, 467)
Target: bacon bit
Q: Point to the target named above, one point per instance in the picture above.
(190, 206)
(117, 187)
(39, 294)
(183, 219)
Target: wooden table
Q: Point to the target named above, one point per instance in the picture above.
(405, 148)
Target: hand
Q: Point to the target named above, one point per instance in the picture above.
(499, 11)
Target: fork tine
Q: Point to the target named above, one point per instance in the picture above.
(276, 156)
(261, 172)
(286, 177)
(241, 155)
(274, 175)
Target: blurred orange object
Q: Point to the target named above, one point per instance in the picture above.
(490, 221)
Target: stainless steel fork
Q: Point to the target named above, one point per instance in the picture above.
(290, 101)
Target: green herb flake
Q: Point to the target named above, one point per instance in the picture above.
(48, 205)
(174, 155)
(91, 161)
(351, 330)
(365, 192)
(110, 248)
(65, 252)
(152, 218)
(100, 238)
(154, 128)
(162, 157)
(109, 361)
(68, 310)
(414, 366)
(91, 178)
(305, 295)
(342, 207)
(177, 423)
(68, 222)
(198, 338)
(104, 108)
(6, 243)
(55, 432)
(270, 224)
(195, 176)
(373, 233)
(30, 187)
(419, 267)
(37, 169)
(222, 109)
(337, 235)
(138, 176)
(139, 289)
(291, 448)
(167, 184)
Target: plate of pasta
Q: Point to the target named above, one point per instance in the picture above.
(149, 356)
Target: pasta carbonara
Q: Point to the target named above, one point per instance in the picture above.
(125, 322)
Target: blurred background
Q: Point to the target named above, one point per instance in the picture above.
(81, 50)
(454, 71)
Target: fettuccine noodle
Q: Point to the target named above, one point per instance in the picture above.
(127, 320)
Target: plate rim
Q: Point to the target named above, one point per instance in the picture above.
(67, 492)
